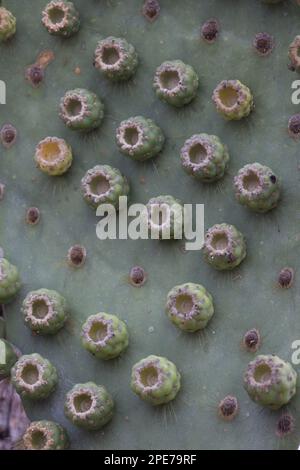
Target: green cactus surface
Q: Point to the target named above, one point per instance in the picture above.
(81, 110)
(233, 99)
(189, 307)
(89, 406)
(61, 18)
(165, 216)
(176, 83)
(104, 185)
(257, 187)
(104, 336)
(204, 157)
(211, 362)
(45, 435)
(270, 381)
(224, 247)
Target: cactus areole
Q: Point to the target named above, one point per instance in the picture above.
(123, 325)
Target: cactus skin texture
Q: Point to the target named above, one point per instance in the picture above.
(293, 53)
(116, 59)
(34, 377)
(104, 184)
(45, 311)
(61, 18)
(245, 298)
(53, 156)
(45, 435)
(257, 187)
(9, 281)
(190, 307)
(139, 138)
(204, 157)
(176, 83)
(228, 408)
(105, 336)
(81, 110)
(270, 381)
(233, 99)
(173, 210)
(8, 360)
(155, 379)
(8, 24)
(89, 406)
(263, 44)
(224, 247)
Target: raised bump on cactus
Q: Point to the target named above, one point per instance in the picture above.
(155, 379)
(89, 406)
(190, 307)
(32, 216)
(35, 75)
(105, 336)
(53, 156)
(233, 100)
(151, 9)
(176, 83)
(76, 256)
(165, 217)
(137, 276)
(224, 247)
(294, 53)
(116, 58)
(8, 135)
(285, 425)
(81, 110)
(228, 408)
(2, 191)
(44, 311)
(139, 138)
(210, 30)
(204, 157)
(286, 278)
(45, 435)
(251, 340)
(270, 381)
(34, 377)
(257, 187)
(8, 358)
(294, 126)
(263, 44)
(61, 18)
(104, 184)
(9, 281)
(8, 24)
